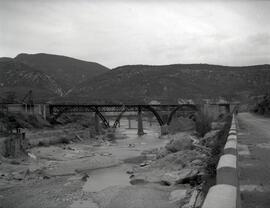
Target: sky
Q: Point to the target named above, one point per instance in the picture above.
(121, 32)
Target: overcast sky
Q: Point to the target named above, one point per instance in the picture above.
(119, 32)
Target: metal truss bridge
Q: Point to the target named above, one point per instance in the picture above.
(57, 109)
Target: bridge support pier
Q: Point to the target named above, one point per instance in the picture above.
(140, 122)
(164, 129)
(97, 125)
(129, 123)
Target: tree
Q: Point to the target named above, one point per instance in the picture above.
(9, 97)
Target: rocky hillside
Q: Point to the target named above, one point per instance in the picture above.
(60, 78)
(49, 76)
(18, 77)
(66, 71)
(141, 84)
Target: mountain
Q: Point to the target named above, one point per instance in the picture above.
(66, 71)
(20, 78)
(63, 79)
(168, 83)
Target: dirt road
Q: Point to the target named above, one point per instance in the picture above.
(254, 151)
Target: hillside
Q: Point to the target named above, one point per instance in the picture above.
(48, 76)
(20, 78)
(66, 71)
(141, 83)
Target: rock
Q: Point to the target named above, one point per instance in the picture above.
(197, 162)
(162, 152)
(177, 195)
(144, 164)
(217, 125)
(131, 145)
(199, 200)
(209, 138)
(135, 181)
(130, 172)
(85, 177)
(15, 162)
(176, 177)
(179, 142)
(46, 177)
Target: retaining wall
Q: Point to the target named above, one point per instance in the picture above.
(13, 145)
(226, 193)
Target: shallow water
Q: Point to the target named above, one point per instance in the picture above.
(105, 177)
(130, 147)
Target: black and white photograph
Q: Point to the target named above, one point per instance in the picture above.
(134, 104)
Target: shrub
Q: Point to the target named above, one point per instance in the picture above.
(217, 147)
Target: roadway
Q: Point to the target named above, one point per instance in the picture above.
(254, 160)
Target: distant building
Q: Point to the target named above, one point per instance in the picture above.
(185, 101)
(154, 102)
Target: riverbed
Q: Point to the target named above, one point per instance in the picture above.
(69, 175)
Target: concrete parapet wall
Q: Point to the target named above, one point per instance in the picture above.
(221, 196)
(226, 193)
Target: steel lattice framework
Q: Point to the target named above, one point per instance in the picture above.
(57, 109)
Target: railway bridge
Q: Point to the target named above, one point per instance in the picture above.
(163, 113)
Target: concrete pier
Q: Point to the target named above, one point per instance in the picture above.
(140, 122)
(164, 130)
(97, 125)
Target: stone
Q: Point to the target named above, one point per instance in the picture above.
(177, 195)
(176, 177)
(179, 142)
(135, 181)
(197, 162)
(162, 152)
(209, 138)
(144, 164)
(15, 162)
(131, 145)
(85, 177)
(130, 172)
(46, 177)
(217, 125)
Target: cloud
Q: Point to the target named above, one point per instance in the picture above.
(132, 32)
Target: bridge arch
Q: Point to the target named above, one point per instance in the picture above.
(100, 115)
(117, 121)
(148, 108)
(190, 106)
(151, 109)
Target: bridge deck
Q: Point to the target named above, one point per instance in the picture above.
(113, 107)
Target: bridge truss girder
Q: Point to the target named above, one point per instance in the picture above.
(57, 110)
